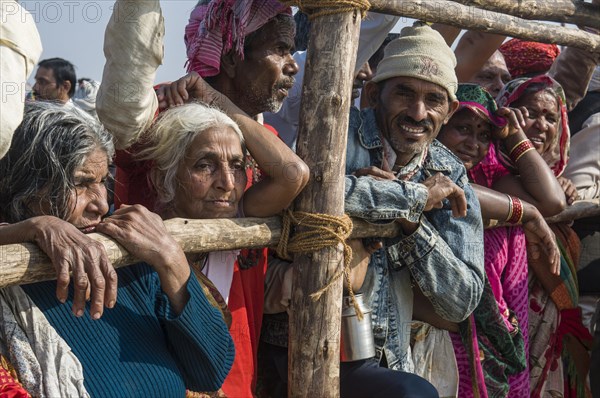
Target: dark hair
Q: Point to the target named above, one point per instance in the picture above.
(63, 71)
(302, 31)
(378, 56)
(48, 146)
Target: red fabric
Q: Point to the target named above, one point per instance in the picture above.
(132, 182)
(246, 300)
(13, 390)
(9, 388)
(571, 323)
(525, 57)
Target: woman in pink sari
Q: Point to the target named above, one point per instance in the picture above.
(559, 360)
(491, 348)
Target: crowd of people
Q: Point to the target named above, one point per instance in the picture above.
(468, 150)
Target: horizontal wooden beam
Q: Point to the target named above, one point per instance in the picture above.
(26, 263)
(579, 209)
(472, 18)
(573, 12)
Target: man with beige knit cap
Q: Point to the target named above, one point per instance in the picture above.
(422, 186)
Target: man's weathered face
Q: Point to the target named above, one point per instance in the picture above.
(410, 112)
(493, 75)
(46, 88)
(263, 78)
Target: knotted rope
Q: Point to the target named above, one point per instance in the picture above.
(318, 8)
(321, 231)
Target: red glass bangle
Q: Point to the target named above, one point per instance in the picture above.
(520, 149)
(516, 145)
(516, 211)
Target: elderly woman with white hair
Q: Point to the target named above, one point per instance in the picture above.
(195, 158)
(159, 336)
(199, 159)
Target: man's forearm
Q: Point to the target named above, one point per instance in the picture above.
(384, 200)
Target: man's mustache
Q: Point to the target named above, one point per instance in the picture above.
(286, 83)
(426, 123)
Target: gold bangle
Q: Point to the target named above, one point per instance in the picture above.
(523, 153)
(517, 144)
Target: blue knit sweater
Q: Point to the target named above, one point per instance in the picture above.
(139, 348)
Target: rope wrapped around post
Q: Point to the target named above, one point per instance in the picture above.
(322, 230)
(317, 8)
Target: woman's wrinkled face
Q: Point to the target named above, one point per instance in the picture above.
(211, 177)
(468, 136)
(89, 199)
(543, 121)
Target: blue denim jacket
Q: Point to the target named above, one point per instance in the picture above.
(444, 256)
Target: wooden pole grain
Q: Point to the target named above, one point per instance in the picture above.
(26, 263)
(472, 18)
(575, 12)
(314, 326)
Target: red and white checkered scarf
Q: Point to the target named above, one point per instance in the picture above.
(218, 26)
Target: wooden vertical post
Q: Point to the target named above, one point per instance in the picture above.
(314, 338)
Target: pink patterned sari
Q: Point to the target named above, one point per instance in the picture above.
(506, 269)
(559, 343)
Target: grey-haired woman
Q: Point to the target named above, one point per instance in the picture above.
(159, 336)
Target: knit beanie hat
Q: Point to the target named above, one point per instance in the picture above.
(420, 52)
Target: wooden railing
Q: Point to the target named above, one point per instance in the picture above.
(485, 17)
(26, 263)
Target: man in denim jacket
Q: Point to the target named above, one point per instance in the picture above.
(420, 184)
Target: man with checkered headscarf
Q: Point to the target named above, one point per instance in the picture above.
(242, 48)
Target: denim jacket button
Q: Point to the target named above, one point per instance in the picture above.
(378, 330)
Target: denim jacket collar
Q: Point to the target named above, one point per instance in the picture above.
(368, 131)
